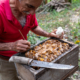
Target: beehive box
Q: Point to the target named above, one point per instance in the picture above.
(70, 57)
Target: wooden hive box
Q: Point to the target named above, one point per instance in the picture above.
(69, 57)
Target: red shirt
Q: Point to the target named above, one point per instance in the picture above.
(9, 26)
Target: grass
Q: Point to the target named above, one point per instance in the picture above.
(48, 0)
(75, 1)
(51, 20)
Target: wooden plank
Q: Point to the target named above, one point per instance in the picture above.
(70, 73)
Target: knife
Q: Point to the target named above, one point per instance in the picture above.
(31, 62)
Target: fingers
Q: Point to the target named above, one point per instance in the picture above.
(61, 37)
(57, 36)
(53, 35)
(21, 45)
(20, 49)
(25, 42)
(54, 31)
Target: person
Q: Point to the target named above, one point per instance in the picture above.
(16, 17)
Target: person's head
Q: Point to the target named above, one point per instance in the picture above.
(27, 6)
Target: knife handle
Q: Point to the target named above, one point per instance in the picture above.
(22, 60)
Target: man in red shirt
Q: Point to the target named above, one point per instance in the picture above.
(16, 17)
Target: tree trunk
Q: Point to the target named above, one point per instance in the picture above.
(45, 1)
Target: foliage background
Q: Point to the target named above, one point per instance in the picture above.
(48, 21)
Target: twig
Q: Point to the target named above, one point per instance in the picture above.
(22, 35)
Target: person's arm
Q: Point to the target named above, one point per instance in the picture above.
(5, 46)
(18, 46)
(39, 31)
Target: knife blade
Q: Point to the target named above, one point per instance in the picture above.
(50, 65)
(31, 62)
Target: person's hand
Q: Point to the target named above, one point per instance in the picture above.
(53, 34)
(20, 45)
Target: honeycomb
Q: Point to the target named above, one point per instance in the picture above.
(48, 51)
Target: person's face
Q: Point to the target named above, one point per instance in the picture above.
(28, 6)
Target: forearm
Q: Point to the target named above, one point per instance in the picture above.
(6, 46)
(40, 31)
(18, 46)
